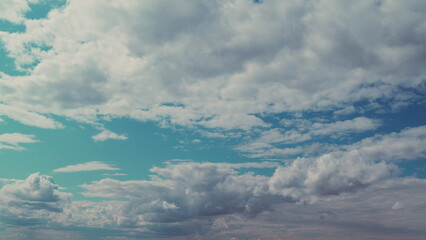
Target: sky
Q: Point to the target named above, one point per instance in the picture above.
(200, 119)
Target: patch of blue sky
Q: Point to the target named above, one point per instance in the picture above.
(147, 146)
(6, 26)
(41, 9)
(38, 10)
(164, 144)
(7, 65)
(416, 168)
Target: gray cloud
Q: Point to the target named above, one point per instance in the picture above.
(37, 192)
(189, 190)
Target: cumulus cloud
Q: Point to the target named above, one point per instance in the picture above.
(185, 197)
(358, 165)
(12, 141)
(189, 190)
(106, 134)
(182, 192)
(333, 217)
(224, 66)
(185, 191)
(216, 64)
(13, 11)
(37, 192)
(189, 185)
(89, 166)
(329, 174)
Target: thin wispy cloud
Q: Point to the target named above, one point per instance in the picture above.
(106, 134)
(89, 166)
(13, 141)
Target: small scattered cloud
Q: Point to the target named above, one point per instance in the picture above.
(89, 166)
(397, 206)
(29, 118)
(12, 141)
(106, 134)
(114, 174)
(359, 124)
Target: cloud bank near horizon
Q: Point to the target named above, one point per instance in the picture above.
(183, 196)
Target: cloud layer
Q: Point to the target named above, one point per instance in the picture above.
(216, 64)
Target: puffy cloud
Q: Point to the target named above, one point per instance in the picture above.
(186, 191)
(13, 10)
(106, 134)
(13, 140)
(359, 165)
(215, 199)
(89, 166)
(362, 214)
(216, 64)
(329, 174)
(37, 192)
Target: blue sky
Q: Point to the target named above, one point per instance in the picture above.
(212, 119)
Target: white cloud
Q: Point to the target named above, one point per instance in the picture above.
(345, 111)
(358, 165)
(218, 72)
(4, 181)
(37, 192)
(187, 197)
(13, 10)
(408, 144)
(359, 124)
(89, 166)
(29, 118)
(191, 190)
(13, 140)
(364, 214)
(114, 174)
(106, 134)
(226, 65)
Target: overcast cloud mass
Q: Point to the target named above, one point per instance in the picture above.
(200, 119)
